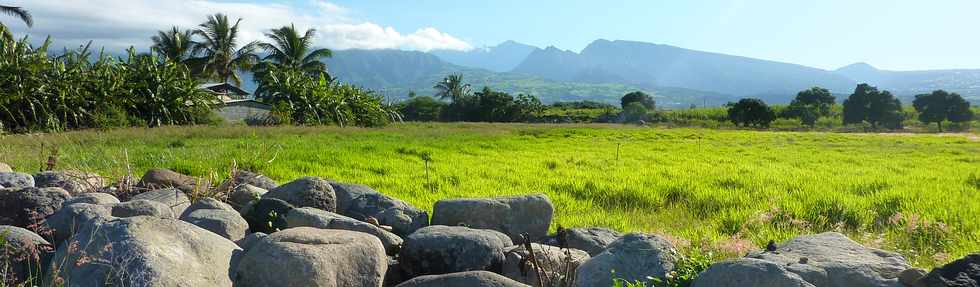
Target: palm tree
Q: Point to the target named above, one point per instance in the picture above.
(19, 13)
(291, 50)
(174, 45)
(221, 58)
(453, 88)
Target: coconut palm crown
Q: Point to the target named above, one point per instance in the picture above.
(221, 57)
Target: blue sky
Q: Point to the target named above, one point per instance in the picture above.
(898, 34)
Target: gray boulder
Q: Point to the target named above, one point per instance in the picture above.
(361, 202)
(633, 256)
(228, 224)
(155, 179)
(24, 253)
(554, 262)
(29, 206)
(74, 182)
(306, 192)
(141, 207)
(267, 215)
(143, 251)
(16, 180)
(461, 279)
(312, 217)
(964, 272)
(5, 167)
(93, 198)
(208, 203)
(833, 260)
(71, 218)
(748, 272)
(250, 240)
(306, 256)
(593, 240)
(243, 177)
(513, 216)
(441, 249)
(244, 194)
(172, 197)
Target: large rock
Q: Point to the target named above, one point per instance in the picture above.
(306, 192)
(361, 202)
(22, 253)
(593, 240)
(71, 218)
(74, 182)
(243, 177)
(441, 249)
(633, 256)
(833, 260)
(228, 224)
(172, 197)
(26, 207)
(554, 262)
(244, 194)
(164, 178)
(306, 256)
(141, 207)
(93, 198)
(964, 272)
(5, 167)
(748, 272)
(144, 251)
(208, 203)
(267, 215)
(16, 180)
(461, 279)
(513, 216)
(312, 217)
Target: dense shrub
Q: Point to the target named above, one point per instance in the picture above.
(315, 100)
(422, 109)
(38, 92)
(493, 106)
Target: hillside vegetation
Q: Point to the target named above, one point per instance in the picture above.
(727, 191)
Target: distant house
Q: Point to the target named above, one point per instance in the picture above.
(236, 104)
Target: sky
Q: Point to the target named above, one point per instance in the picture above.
(828, 34)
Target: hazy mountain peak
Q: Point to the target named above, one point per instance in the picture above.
(500, 58)
(857, 67)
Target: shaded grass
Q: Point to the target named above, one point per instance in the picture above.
(915, 194)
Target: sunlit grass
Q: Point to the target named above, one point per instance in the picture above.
(724, 190)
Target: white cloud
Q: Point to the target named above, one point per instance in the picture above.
(118, 24)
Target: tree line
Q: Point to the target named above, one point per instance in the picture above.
(457, 102)
(867, 105)
(76, 89)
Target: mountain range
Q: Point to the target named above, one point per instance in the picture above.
(605, 70)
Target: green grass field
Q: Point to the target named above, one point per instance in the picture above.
(725, 191)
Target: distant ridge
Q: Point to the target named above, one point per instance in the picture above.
(501, 58)
(647, 64)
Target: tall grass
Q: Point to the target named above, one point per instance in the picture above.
(725, 191)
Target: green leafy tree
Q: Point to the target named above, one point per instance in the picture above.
(638, 97)
(811, 104)
(751, 112)
(453, 88)
(18, 12)
(940, 106)
(221, 57)
(290, 49)
(634, 112)
(174, 45)
(423, 109)
(868, 104)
